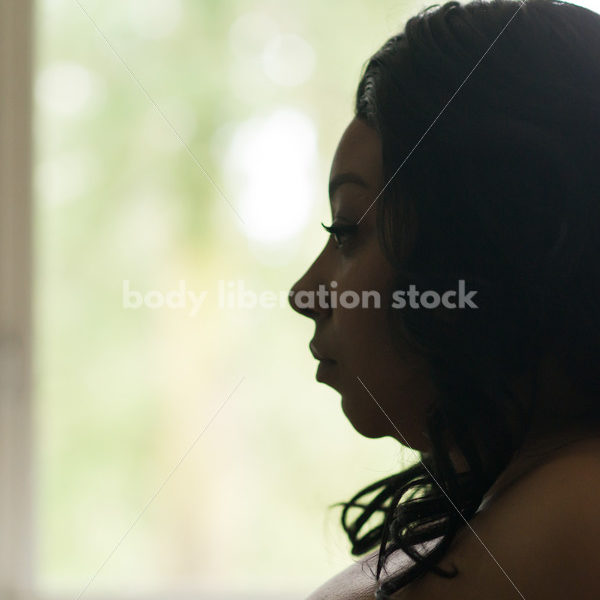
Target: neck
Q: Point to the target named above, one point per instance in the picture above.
(557, 421)
(541, 444)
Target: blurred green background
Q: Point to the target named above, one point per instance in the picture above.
(260, 93)
(133, 99)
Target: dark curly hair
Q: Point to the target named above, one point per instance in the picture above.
(492, 110)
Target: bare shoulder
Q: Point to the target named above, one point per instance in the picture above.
(538, 540)
(357, 582)
(353, 583)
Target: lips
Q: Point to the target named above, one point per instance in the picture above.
(318, 354)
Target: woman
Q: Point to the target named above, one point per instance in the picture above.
(472, 160)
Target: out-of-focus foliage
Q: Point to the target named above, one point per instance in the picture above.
(129, 121)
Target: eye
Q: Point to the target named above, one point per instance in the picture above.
(340, 232)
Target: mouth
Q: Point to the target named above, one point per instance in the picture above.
(318, 356)
(327, 370)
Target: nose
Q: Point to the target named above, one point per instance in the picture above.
(303, 295)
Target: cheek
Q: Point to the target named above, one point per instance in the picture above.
(363, 332)
(390, 399)
(396, 392)
(384, 392)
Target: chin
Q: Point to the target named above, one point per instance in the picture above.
(374, 424)
(367, 424)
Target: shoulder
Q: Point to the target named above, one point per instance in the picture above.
(357, 582)
(538, 540)
(353, 583)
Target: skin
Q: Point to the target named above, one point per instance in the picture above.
(384, 387)
(359, 339)
(536, 540)
(533, 529)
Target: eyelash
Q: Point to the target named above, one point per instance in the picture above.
(339, 232)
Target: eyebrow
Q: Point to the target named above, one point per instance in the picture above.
(342, 178)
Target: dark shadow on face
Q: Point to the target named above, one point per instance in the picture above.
(357, 342)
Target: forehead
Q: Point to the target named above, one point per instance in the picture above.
(359, 151)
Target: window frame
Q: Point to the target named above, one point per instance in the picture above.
(16, 492)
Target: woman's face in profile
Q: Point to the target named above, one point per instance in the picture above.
(357, 342)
